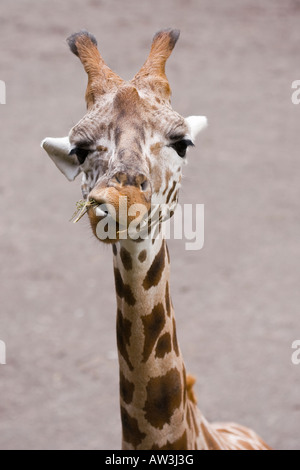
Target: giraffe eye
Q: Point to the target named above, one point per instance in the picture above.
(181, 146)
(80, 153)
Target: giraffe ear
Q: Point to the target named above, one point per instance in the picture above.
(59, 150)
(196, 124)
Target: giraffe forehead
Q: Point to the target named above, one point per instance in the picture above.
(125, 114)
(128, 101)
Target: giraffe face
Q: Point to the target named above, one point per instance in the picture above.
(131, 145)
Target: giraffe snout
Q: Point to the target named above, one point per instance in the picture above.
(130, 178)
(125, 197)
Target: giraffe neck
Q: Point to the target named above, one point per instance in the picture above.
(155, 408)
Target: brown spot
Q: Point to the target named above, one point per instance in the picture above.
(164, 345)
(168, 253)
(126, 389)
(123, 337)
(102, 128)
(175, 197)
(122, 112)
(168, 176)
(142, 256)
(126, 259)
(109, 130)
(154, 273)
(155, 149)
(171, 192)
(168, 302)
(175, 342)
(158, 100)
(101, 148)
(156, 232)
(140, 128)
(179, 444)
(156, 179)
(131, 431)
(118, 282)
(164, 395)
(153, 325)
(123, 290)
(115, 250)
(118, 133)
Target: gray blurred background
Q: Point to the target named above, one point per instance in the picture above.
(236, 301)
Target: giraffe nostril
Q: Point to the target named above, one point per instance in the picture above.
(121, 178)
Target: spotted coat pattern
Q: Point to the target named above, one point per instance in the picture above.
(159, 409)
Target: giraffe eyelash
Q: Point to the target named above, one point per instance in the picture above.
(81, 154)
(181, 146)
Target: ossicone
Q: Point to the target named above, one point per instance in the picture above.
(101, 79)
(153, 74)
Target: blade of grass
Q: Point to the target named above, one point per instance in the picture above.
(82, 207)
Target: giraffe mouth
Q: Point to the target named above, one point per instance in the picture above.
(118, 214)
(117, 222)
(106, 211)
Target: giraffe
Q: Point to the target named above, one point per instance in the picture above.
(131, 144)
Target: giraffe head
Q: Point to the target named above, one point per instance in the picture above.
(130, 146)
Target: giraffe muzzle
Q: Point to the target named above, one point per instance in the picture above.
(120, 206)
